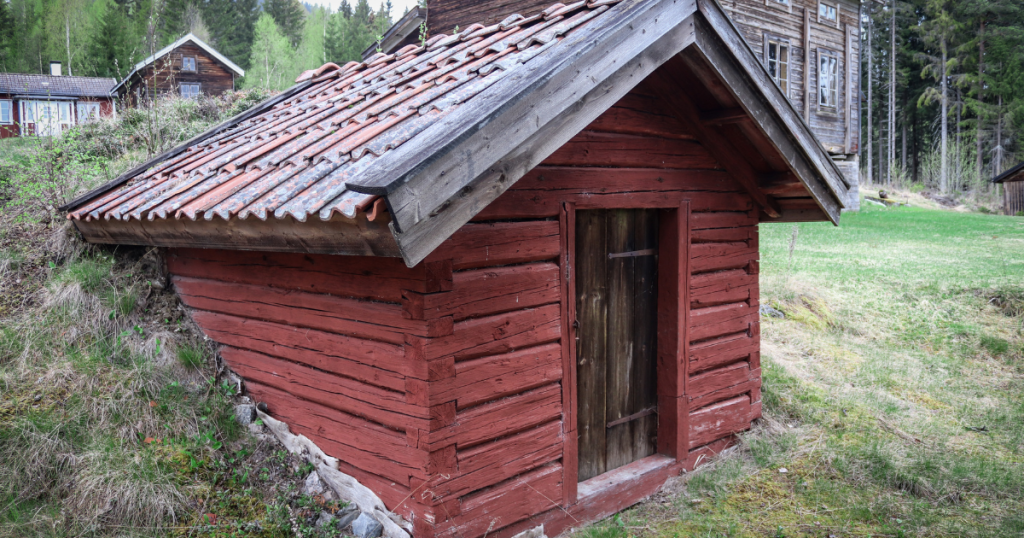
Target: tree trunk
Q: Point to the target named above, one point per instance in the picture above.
(981, 98)
(943, 178)
(999, 139)
(871, 116)
(892, 95)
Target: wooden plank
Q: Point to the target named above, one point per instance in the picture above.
(592, 300)
(500, 418)
(728, 381)
(722, 350)
(361, 443)
(374, 362)
(497, 334)
(381, 406)
(722, 219)
(483, 292)
(379, 279)
(543, 203)
(725, 235)
(488, 464)
(509, 502)
(621, 339)
(720, 420)
(500, 243)
(639, 115)
(361, 319)
(489, 378)
(643, 392)
(567, 261)
(717, 320)
(615, 150)
(445, 194)
(707, 257)
(625, 180)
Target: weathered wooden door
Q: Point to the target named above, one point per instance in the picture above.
(616, 312)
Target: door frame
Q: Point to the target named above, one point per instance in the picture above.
(673, 321)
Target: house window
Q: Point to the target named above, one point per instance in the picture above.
(88, 112)
(828, 14)
(190, 91)
(6, 114)
(188, 63)
(780, 4)
(776, 60)
(828, 81)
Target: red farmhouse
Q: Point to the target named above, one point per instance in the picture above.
(508, 278)
(47, 105)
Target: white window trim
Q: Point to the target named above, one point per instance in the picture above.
(828, 22)
(182, 85)
(10, 111)
(784, 5)
(824, 109)
(789, 62)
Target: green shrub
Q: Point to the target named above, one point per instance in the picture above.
(192, 356)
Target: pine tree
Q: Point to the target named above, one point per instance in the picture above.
(172, 20)
(6, 34)
(290, 17)
(231, 24)
(111, 48)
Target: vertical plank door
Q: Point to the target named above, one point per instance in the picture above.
(616, 359)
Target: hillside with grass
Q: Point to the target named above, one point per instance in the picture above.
(893, 377)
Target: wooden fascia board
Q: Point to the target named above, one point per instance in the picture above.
(768, 107)
(533, 131)
(345, 237)
(465, 143)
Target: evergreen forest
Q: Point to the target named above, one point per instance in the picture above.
(273, 40)
(942, 93)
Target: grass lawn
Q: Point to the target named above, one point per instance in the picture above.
(894, 389)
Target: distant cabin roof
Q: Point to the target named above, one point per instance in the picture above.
(189, 38)
(48, 85)
(426, 129)
(1014, 174)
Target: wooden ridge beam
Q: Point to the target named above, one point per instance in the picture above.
(684, 110)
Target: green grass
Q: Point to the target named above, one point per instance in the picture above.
(893, 392)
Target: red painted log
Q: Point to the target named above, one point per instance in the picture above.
(719, 420)
(493, 335)
(500, 243)
(627, 151)
(484, 292)
(499, 418)
(362, 319)
(381, 279)
(723, 350)
(722, 219)
(720, 256)
(559, 181)
(360, 443)
(489, 378)
(509, 502)
(488, 464)
(379, 405)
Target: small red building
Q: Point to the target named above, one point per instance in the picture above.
(186, 68)
(508, 278)
(47, 105)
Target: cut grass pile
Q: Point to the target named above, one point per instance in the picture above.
(893, 390)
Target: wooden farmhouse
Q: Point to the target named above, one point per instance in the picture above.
(811, 49)
(188, 67)
(508, 278)
(1013, 190)
(48, 105)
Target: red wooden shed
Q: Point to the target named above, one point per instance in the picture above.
(508, 278)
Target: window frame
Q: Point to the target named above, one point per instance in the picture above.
(195, 66)
(772, 38)
(10, 112)
(784, 5)
(833, 109)
(198, 87)
(826, 21)
(86, 106)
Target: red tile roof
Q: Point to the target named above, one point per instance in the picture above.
(295, 158)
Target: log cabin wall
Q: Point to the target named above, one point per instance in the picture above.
(165, 75)
(632, 156)
(444, 388)
(322, 341)
(1013, 197)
